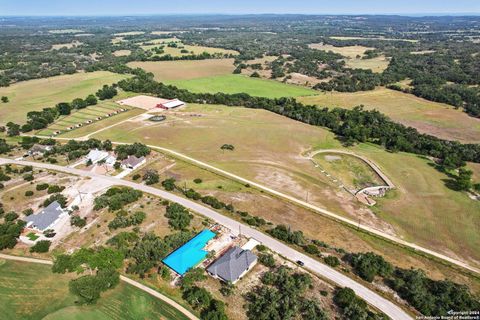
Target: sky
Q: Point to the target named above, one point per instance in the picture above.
(142, 7)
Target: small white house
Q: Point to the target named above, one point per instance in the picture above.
(96, 155)
(133, 162)
(39, 149)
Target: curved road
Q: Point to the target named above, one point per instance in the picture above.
(374, 299)
(304, 204)
(322, 211)
(134, 283)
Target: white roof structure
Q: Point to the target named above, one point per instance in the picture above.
(173, 104)
(110, 160)
(96, 155)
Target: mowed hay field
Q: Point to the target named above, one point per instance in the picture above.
(269, 148)
(354, 56)
(34, 95)
(241, 84)
(31, 291)
(188, 69)
(434, 118)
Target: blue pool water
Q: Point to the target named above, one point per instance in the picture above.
(190, 254)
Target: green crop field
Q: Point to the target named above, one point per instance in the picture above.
(31, 291)
(269, 148)
(34, 95)
(429, 117)
(242, 84)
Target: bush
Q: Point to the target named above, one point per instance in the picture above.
(178, 216)
(55, 189)
(197, 180)
(311, 248)
(41, 246)
(136, 176)
(332, 261)
(28, 211)
(28, 193)
(151, 177)
(266, 259)
(60, 198)
(28, 177)
(77, 221)
(42, 186)
(169, 184)
(11, 216)
(368, 265)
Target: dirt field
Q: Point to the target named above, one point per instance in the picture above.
(429, 117)
(373, 38)
(354, 56)
(34, 95)
(142, 102)
(66, 45)
(268, 149)
(177, 51)
(183, 70)
(122, 53)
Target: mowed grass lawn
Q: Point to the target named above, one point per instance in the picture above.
(31, 291)
(241, 84)
(34, 95)
(426, 116)
(268, 149)
(183, 70)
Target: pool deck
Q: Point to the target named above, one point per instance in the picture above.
(190, 254)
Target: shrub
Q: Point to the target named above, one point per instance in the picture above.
(55, 189)
(42, 186)
(28, 193)
(28, 177)
(266, 259)
(77, 221)
(41, 246)
(136, 176)
(169, 184)
(332, 261)
(198, 180)
(28, 211)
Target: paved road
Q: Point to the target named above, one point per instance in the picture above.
(134, 283)
(374, 299)
(310, 206)
(322, 211)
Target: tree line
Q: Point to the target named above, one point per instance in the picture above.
(356, 125)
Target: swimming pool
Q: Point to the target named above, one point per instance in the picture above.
(190, 254)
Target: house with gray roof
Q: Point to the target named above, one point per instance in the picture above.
(132, 162)
(46, 218)
(38, 149)
(232, 265)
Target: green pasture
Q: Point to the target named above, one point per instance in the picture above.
(32, 292)
(241, 84)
